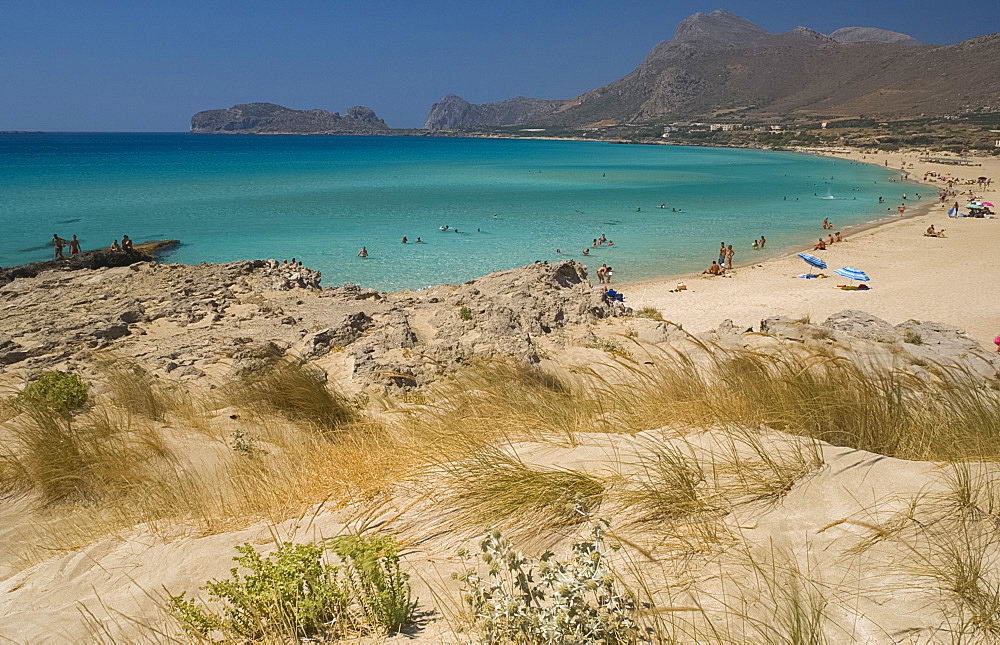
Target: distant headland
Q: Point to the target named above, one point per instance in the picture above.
(269, 118)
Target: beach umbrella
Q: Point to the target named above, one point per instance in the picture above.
(990, 204)
(974, 206)
(852, 273)
(813, 260)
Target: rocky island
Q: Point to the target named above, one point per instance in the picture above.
(268, 118)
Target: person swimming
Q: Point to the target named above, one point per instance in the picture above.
(363, 253)
(419, 241)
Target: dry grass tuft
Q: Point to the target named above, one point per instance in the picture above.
(298, 393)
(490, 488)
(94, 457)
(134, 390)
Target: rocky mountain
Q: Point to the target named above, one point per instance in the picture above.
(453, 112)
(719, 65)
(268, 118)
(871, 35)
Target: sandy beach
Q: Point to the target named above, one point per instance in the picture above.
(952, 280)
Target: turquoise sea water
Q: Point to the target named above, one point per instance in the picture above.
(320, 199)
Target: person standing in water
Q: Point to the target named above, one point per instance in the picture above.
(722, 254)
(729, 257)
(762, 241)
(363, 253)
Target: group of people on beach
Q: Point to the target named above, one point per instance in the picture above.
(725, 260)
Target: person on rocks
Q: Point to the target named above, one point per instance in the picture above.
(114, 246)
(74, 246)
(126, 243)
(363, 253)
(57, 245)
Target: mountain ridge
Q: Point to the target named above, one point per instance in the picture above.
(721, 63)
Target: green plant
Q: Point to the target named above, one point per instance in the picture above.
(60, 391)
(292, 594)
(912, 337)
(552, 601)
(465, 313)
(377, 586)
(649, 312)
(612, 347)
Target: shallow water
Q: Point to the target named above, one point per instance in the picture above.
(320, 199)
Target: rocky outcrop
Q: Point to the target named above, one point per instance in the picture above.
(242, 316)
(872, 35)
(268, 118)
(101, 258)
(454, 112)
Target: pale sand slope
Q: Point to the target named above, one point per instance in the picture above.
(954, 280)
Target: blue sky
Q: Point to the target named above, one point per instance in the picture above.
(147, 66)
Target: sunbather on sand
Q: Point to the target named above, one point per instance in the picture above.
(820, 245)
(715, 269)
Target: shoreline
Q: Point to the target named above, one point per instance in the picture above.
(949, 280)
(854, 229)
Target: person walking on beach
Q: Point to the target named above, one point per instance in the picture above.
(74, 246)
(57, 244)
(729, 257)
(363, 253)
(722, 254)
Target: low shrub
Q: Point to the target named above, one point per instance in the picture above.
(550, 601)
(465, 313)
(649, 312)
(59, 391)
(294, 594)
(379, 589)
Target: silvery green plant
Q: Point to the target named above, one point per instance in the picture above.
(552, 601)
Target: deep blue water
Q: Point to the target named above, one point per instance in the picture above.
(320, 199)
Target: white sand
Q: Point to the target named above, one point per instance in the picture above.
(953, 280)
